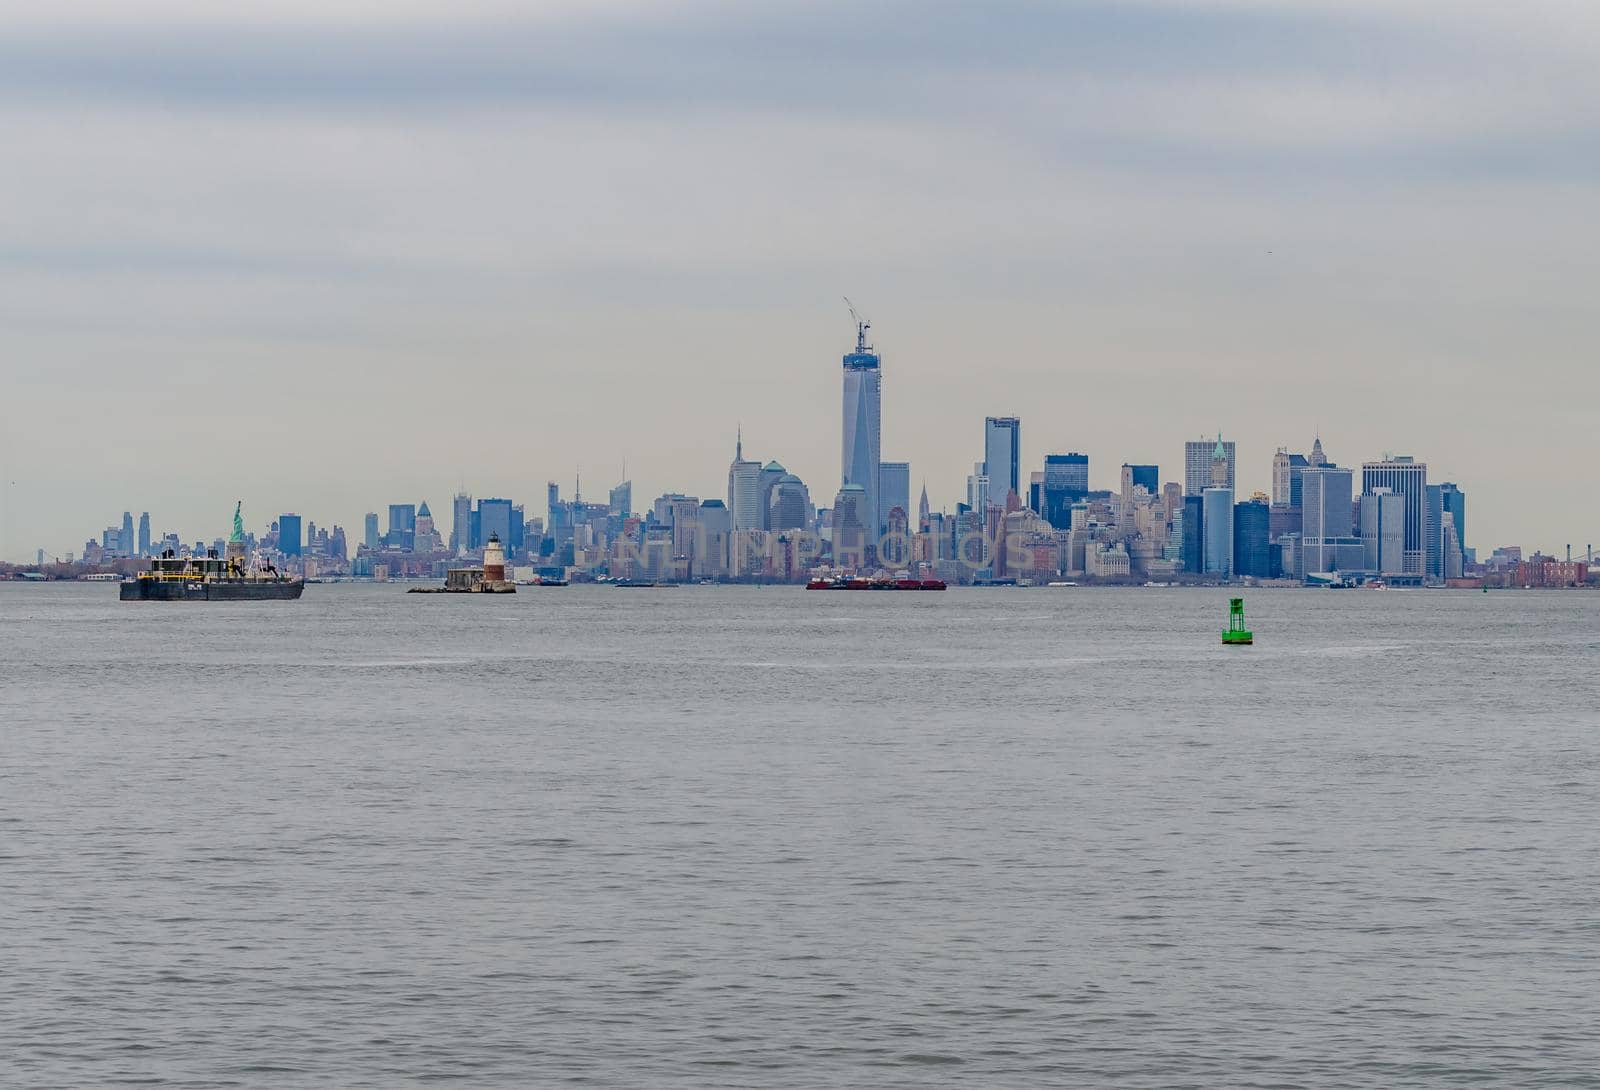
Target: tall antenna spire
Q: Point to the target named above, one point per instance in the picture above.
(738, 444)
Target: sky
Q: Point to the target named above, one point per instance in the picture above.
(323, 257)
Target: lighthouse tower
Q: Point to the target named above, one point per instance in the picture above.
(494, 561)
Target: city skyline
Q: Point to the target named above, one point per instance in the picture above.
(1099, 479)
(1131, 226)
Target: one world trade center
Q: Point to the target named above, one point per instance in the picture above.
(862, 412)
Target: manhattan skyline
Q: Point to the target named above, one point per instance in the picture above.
(1133, 227)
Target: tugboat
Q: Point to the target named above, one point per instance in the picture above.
(228, 578)
(1236, 634)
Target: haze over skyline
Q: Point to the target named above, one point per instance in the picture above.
(358, 254)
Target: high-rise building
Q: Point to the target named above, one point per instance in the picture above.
(1194, 542)
(862, 426)
(126, 542)
(1409, 478)
(771, 474)
(1002, 456)
(289, 535)
(1327, 502)
(144, 534)
(894, 489)
(620, 501)
(849, 527)
(924, 517)
(1198, 474)
(896, 545)
(558, 514)
(979, 497)
(496, 516)
(1455, 556)
(1252, 546)
(1455, 504)
(1142, 476)
(666, 506)
(1066, 482)
(711, 549)
(790, 505)
(424, 538)
(460, 522)
(685, 526)
(403, 526)
(1221, 467)
(1286, 469)
(1433, 542)
(1218, 514)
(1171, 499)
(1328, 541)
(746, 505)
(1316, 458)
(1383, 532)
(370, 531)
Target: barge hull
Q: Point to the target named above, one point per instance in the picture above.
(172, 590)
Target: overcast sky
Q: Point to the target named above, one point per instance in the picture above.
(358, 253)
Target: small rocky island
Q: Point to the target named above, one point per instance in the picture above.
(489, 579)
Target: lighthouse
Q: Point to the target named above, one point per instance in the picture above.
(494, 561)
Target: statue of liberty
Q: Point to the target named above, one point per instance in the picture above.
(238, 522)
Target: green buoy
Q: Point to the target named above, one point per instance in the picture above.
(1236, 632)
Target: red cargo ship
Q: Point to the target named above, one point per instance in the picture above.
(875, 584)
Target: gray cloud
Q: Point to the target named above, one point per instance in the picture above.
(637, 223)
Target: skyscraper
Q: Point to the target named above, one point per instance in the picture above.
(1455, 504)
(460, 521)
(620, 501)
(1002, 456)
(849, 530)
(424, 538)
(370, 531)
(558, 514)
(125, 540)
(894, 489)
(771, 474)
(403, 526)
(1433, 543)
(746, 505)
(289, 539)
(1286, 469)
(1383, 532)
(789, 506)
(979, 496)
(1066, 481)
(1408, 477)
(1251, 545)
(495, 516)
(1217, 506)
(1197, 468)
(862, 426)
(711, 547)
(144, 534)
(1143, 476)
(1327, 538)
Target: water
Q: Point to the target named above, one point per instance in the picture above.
(732, 837)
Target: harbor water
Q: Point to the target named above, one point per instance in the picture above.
(760, 837)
